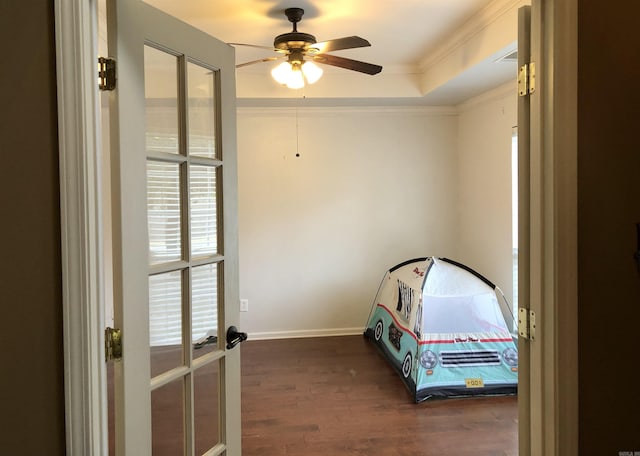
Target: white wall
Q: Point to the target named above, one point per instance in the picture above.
(486, 124)
(372, 187)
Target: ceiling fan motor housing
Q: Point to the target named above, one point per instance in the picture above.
(295, 40)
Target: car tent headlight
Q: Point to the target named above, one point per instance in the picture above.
(428, 359)
(510, 357)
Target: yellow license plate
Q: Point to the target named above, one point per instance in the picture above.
(474, 382)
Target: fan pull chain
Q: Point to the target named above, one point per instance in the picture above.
(297, 138)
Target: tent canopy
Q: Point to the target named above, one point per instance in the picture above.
(440, 324)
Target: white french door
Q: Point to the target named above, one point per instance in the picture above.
(174, 199)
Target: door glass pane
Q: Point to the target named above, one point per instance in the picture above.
(165, 321)
(167, 420)
(204, 310)
(163, 211)
(204, 210)
(202, 126)
(206, 400)
(161, 100)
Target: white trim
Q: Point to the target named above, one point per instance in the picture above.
(553, 256)
(267, 111)
(559, 291)
(524, 199)
(305, 333)
(80, 211)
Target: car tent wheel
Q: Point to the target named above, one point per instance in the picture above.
(377, 333)
(406, 365)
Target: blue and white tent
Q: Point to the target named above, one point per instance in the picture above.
(440, 324)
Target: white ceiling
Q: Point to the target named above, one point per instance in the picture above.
(432, 51)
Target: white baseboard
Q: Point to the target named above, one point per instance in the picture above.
(305, 333)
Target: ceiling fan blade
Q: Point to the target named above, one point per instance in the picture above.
(266, 59)
(348, 42)
(349, 64)
(253, 45)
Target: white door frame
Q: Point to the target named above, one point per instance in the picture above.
(554, 425)
(553, 246)
(81, 220)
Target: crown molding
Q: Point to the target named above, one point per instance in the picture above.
(470, 29)
(377, 110)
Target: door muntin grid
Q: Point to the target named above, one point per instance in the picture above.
(185, 226)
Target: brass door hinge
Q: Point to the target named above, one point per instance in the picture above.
(106, 73)
(112, 344)
(527, 79)
(527, 324)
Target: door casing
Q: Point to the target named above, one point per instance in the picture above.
(554, 425)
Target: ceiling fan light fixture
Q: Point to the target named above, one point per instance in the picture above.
(295, 80)
(311, 71)
(297, 45)
(281, 73)
(294, 74)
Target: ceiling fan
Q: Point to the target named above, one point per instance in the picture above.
(296, 46)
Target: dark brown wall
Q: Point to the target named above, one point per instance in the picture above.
(31, 382)
(608, 209)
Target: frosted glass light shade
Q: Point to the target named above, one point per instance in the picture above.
(293, 75)
(296, 79)
(312, 72)
(281, 72)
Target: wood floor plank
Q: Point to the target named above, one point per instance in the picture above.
(338, 396)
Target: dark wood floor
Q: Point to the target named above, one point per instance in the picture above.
(336, 396)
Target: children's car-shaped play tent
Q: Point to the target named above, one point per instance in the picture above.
(440, 325)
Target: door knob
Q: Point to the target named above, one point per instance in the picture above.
(234, 337)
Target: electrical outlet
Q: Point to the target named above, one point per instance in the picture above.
(244, 305)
